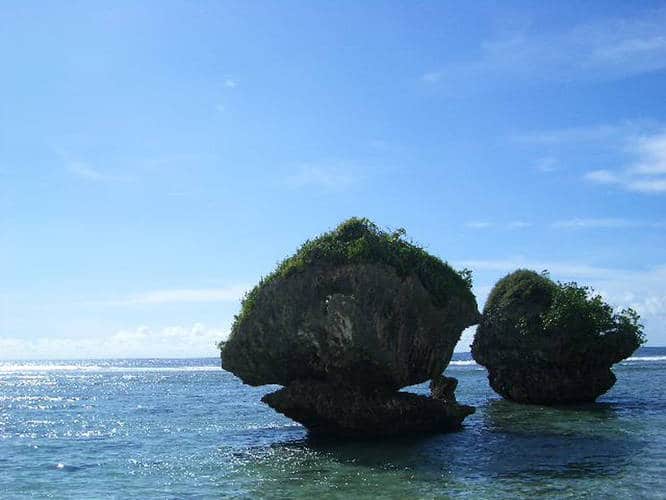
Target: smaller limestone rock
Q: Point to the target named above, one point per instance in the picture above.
(551, 343)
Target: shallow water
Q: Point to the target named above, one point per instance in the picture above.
(186, 429)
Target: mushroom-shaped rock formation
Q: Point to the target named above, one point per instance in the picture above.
(352, 317)
(551, 343)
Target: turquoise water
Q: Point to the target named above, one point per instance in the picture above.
(186, 429)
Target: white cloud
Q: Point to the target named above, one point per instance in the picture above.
(655, 186)
(651, 151)
(84, 170)
(602, 177)
(230, 83)
(479, 224)
(196, 340)
(182, 295)
(516, 224)
(600, 50)
(433, 76)
(644, 143)
(547, 165)
(88, 172)
(331, 178)
(646, 173)
(519, 224)
(606, 223)
(591, 133)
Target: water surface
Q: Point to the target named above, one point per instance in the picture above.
(186, 429)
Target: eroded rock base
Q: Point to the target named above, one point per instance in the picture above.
(326, 408)
(551, 385)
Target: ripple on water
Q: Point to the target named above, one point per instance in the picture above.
(171, 433)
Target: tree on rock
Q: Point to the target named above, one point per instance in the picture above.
(552, 343)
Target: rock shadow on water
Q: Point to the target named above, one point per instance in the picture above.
(362, 468)
(557, 442)
(504, 442)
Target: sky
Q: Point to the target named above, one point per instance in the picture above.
(158, 158)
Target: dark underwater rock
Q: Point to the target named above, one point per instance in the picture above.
(551, 343)
(326, 408)
(363, 313)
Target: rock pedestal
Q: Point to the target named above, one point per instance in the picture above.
(326, 408)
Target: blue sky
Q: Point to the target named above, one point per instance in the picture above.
(156, 158)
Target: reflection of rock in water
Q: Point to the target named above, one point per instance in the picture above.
(344, 324)
(507, 449)
(568, 442)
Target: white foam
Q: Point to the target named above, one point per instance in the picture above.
(467, 362)
(26, 368)
(646, 358)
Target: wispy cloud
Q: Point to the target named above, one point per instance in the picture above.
(331, 178)
(479, 224)
(230, 83)
(181, 295)
(640, 145)
(516, 224)
(574, 223)
(196, 340)
(651, 151)
(433, 76)
(600, 50)
(606, 223)
(646, 174)
(602, 176)
(547, 164)
(86, 171)
(572, 135)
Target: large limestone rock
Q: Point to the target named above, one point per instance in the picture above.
(549, 343)
(354, 316)
(358, 324)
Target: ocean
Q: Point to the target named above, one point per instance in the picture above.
(157, 428)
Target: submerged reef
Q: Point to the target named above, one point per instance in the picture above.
(354, 316)
(551, 343)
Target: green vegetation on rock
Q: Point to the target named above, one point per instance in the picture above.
(359, 241)
(526, 309)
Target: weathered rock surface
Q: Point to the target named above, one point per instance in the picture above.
(359, 325)
(551, 385)
(344, 324)
(548, 343)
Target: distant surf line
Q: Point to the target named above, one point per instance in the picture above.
(32, 368)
